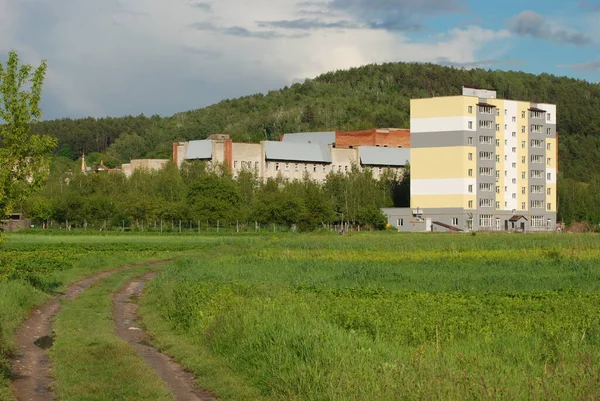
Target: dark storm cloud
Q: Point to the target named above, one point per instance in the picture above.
(532, 24)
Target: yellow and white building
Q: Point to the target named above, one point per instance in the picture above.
(482, 163)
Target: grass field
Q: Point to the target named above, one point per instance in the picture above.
(36, 267)
(323, 316)
(377, 316)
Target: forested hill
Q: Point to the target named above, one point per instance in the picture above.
(359, 98)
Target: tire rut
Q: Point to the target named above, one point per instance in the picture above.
(128, 327)
(30, 367)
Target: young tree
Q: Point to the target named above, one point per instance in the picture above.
(24, 157)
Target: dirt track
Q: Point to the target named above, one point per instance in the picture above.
(31, 377)
(125, 316)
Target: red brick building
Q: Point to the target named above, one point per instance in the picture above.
(381, 137)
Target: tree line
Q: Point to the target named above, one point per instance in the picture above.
(198, 194)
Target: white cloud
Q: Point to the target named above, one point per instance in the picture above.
(120, 57)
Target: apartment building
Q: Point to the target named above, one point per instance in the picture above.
(482, 163)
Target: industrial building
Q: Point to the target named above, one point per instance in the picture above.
(314, 153)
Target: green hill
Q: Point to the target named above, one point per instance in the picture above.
(359, 98)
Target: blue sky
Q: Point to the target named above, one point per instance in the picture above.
(119, 57)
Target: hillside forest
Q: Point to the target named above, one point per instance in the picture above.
(359, 98)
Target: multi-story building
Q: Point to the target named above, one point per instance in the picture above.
(482, 163)
(314, 153)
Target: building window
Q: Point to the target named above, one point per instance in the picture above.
(235, 164)
(514, 150)
(400, 222)
(486, 109)
(497, 205)
(470, 172)
(498, 142)
(537, 189)
(470, 124)
(486, 187)
(287, 167)
(522, 129)
(537, 143)
(486, 202)
(549, 131)
(497, 127)
(522, 114)
(486, 140)
(537, 129)
(455, 221)
(514, 196)
(547, 116)
(487, 171)
(514, 119)
(506, 142)
(523, 144)
(486, 155)
(497, 189)
(324, 168)
(549, 191)
(548, 146)
(549, 161)
(523, 175)
(497, 158)
(276, 166)
(505, 112)
(485, 220)
(523, 190)
(537, 174)
(497, 112)
(514, 180)
(514, 134)
(505, 189)
(485, 124)
(523, 206)
(549, 206)
(537, 221)
(505, 127)
(470, 140)
(548, 176)
(537, 204)
(505, 157)
(537, 159)
(514, 165)
(470, 109)
(470, 204)
(470, 156)
(315, 168)
(523, 160)
(470, 188)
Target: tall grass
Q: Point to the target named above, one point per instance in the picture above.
(375, 316)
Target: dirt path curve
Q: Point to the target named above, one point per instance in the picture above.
(125, 316)
(31, 378)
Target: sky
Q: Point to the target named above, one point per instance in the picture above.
(128, 57)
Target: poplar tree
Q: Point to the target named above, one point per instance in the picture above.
(24, 157)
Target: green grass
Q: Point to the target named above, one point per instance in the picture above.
(36, 267)
(90, 362)
(375, 316)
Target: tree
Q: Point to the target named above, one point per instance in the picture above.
(24, 157)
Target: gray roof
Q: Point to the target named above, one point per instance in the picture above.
(378, 156)
(325, 138)
(297, 151)
(199, 150)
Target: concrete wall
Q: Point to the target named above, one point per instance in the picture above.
(143, 164)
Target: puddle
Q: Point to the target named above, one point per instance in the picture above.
(44, 342)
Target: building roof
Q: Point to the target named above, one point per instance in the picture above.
(297, 151)
(536, 109)
(324, 138)
(199, 150)
(378, 156)
(517, 217)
